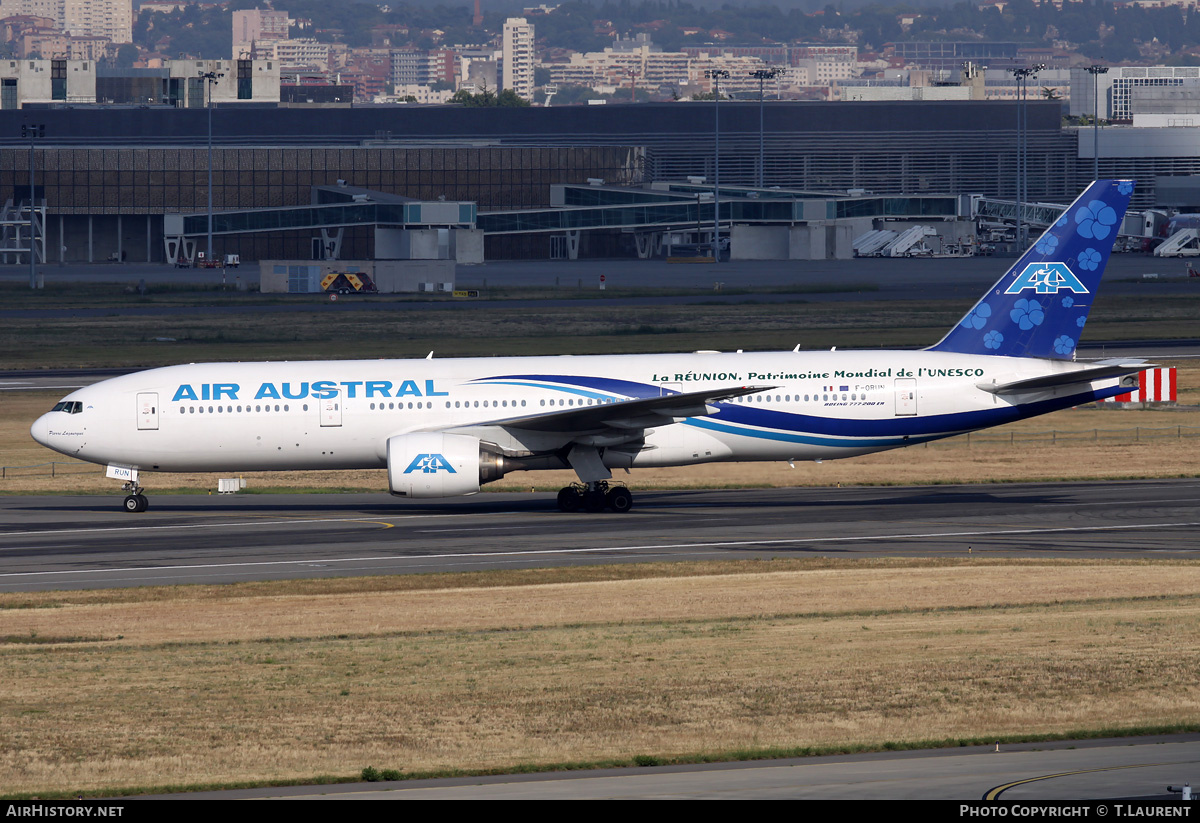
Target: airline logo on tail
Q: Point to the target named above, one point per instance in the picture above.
(1046, 278)
(429, 464)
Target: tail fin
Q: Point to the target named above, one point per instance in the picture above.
(1038, 308)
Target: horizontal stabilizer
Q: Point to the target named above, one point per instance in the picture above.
(1097, 371)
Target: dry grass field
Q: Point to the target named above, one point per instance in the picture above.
(147, 688)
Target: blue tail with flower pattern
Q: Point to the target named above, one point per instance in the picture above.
(1038, 308)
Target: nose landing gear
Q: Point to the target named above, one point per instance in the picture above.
(135, 501)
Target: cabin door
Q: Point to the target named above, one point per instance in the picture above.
(331, 410)
(147, 404)
(906, 396)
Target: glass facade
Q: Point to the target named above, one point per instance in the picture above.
(88, 184)
(896, 207)
(173, 180)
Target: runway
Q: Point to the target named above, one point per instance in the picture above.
(1130, 774)
(89, 542)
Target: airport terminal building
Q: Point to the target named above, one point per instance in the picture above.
(108, 176)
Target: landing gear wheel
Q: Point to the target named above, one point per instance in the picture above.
(569, 499)
(619, 499)
(136, 503)
(593, 500)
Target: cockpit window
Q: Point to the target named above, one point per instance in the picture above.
(69, 406)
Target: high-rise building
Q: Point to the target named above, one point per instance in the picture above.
(110, 19)
(252, 25)
(1118, 87)
(517, 49)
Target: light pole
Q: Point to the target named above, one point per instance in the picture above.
(33, 131)
(1022, 75)
(762, 75)
(209, 78)
(715, 75)
(1095, 72)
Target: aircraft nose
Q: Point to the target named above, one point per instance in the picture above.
(40, 431)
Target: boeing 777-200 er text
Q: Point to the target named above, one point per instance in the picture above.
(444, 427)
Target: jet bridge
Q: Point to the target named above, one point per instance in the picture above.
(1042, 215)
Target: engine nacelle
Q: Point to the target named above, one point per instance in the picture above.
(436, 464)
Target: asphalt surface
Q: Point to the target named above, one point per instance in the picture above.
(90, 542)
(1129, 776)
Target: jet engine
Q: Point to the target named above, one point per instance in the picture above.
(436, 464)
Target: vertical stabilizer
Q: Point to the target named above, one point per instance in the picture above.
(1038, 308)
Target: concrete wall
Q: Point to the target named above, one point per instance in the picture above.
(466, 245)
(393, 276)
(758, 243)
(407, 244)
(806, 242)
(816, 240)
(463, 245)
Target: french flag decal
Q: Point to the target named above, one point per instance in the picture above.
(1154, 386)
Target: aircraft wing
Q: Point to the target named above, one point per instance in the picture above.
(623, 416)
(1098, 371)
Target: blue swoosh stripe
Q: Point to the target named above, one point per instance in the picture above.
(628, 388)
(917, 428)
(810, 439)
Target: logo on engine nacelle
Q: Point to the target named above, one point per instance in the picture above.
(429, 464)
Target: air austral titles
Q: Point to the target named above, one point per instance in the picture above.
(444, 427)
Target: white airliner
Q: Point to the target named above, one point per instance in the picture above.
(444, 427)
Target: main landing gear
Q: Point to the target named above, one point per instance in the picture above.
(135, 501)
(595, 497)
